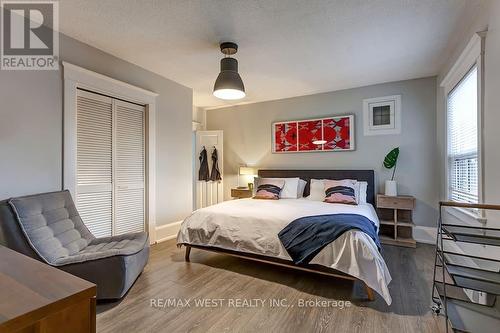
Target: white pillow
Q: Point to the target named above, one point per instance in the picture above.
(362, 188)
(317, 191)
(302, 186)
(290, 190)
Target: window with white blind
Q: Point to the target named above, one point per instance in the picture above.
(463, 138)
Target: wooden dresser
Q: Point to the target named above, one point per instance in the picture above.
(35, 297)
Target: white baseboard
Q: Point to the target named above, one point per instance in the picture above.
(167, 231)
(425, 235)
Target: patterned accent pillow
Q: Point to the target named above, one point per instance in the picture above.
(269, 188)
(341, 191)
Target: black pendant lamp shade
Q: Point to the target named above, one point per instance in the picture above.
(229, 84)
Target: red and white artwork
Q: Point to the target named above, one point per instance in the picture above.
(304, 135)
(337, 133)
(309, 131)
(285, 137)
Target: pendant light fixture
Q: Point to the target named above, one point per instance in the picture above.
(229, 84)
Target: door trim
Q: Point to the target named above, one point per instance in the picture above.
(77, 77)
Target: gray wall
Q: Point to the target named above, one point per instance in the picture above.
(247, 138)
(31, 128)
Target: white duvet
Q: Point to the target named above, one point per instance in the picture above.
(250, 225)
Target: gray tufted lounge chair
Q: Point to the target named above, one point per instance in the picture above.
(47, 227)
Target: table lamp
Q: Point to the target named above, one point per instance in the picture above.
(249, 173)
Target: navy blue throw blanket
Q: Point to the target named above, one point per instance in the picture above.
(305, 237)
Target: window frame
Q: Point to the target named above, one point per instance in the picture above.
(472, 56)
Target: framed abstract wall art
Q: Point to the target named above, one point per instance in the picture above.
(324, 134)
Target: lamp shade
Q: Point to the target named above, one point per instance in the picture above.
(228, 84)
(247, 171)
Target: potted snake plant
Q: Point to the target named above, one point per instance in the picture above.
(390, 162)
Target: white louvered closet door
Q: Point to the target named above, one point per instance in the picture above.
(94, 190)
(110, 164)
(129, 167)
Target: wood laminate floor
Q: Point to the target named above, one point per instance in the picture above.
(168, 281)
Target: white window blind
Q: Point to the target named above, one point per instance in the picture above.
(462, 114)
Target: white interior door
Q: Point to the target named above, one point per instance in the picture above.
(110, 191)
(129, 201)
(94, 176)
(209, 193)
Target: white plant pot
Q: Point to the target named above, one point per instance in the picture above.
(391, 188)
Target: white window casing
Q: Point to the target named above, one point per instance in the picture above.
(463, 91)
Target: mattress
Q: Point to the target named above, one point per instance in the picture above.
(252, 226)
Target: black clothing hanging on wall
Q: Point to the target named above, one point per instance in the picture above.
(215, 174)
(203, 173)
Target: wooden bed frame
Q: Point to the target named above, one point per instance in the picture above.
(307, 175)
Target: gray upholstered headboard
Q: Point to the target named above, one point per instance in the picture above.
(360, 175)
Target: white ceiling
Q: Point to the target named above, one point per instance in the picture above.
(286, 47)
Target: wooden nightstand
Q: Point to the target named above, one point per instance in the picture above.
(241, 193)
(396, 224)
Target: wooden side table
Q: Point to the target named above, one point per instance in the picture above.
(241, 193)
(396, 222)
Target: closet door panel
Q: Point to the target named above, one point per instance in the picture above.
(94, 162)
(95, 209)
(129, 211)
(129, 168)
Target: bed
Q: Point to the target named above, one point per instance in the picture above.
(249, 228)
